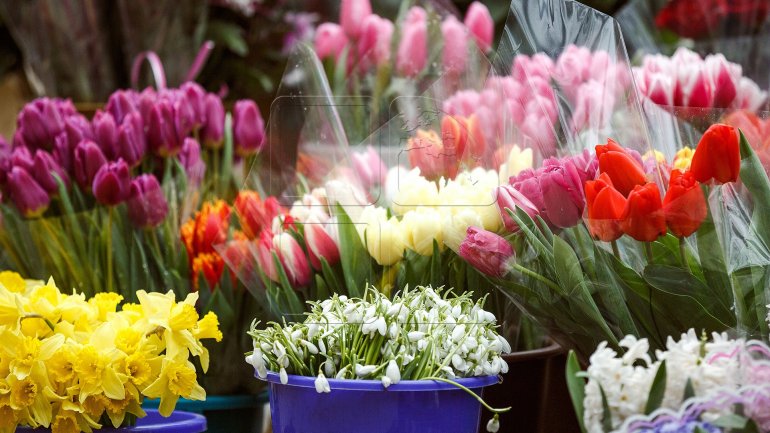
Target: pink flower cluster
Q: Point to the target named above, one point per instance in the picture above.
(522, 107)
(366, 38)
(688, 80)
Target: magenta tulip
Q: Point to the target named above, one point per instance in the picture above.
(112, 183)
(190, 157)
(106, 133)
(147, 206)
(486, 251)
(29, 197)
(161, 130)
(44, 169)
(122, 103)
(87, 161)
(248, 128)
(132, 143)
(330, 40)
(480, 24)
(212, 133)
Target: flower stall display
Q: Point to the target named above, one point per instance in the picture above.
(73, 363)
(385, 354)
(696, 384)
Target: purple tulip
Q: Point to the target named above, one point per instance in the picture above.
(112, 183)
(194, 97)
(78, 128)
(213, 129)
(41, 120)
(45, 166)
(185, 119)
(248, 128)
(147, 206)
(161, 132)
(22, 157)
(132, 143)
(87, 162)
(28, 196)
(121, 104)
(486, 251)
(5, 159)
(190, 157)
(106, 132)
(146, 101)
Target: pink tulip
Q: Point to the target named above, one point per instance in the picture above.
(374, 41)
(330, 40)
(509, 197)
(264, 255)
(44, 169)
(352, 15)
(293, 259)
(486, 251)
(593, 106)
(369, 167)
(573, 67)
(695, 88)
(455, 52)
(416, 14)
(749, 95)
(525, 67)
(106, 132)
(725, 76)
(321, 243)
(480, 24)
(660, 89)
(412, 53)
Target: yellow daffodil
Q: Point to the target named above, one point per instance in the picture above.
(28, 396)
(13, 282)
(105, 303)
(177, 379)
(176, 320)
(208, 327)
(9, 418)
(65, 422)
(97, 374)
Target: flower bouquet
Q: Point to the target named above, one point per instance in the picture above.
(696, 384)
(72, 363)
(382, 354)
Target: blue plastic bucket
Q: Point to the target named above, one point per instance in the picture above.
(365, 406)
(225, 413)
(178, 422)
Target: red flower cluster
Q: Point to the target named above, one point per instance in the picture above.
(623, 201)
(696, 19)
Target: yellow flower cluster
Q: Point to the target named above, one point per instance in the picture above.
(71, 363)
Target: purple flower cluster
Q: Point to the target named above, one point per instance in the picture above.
(682, 427)
(104, 156)
(554, 191)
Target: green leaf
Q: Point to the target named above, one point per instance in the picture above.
(567, 266)
(229, 35)
(606, 413)
(436, 274)
(755, 179)
(730, 421)
(657, 390)
(355, 259)
(689, 390)
(576, 386)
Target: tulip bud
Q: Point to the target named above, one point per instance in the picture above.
(121, 103)
(486, 251)
(725, 76)
(509, 198)
(248, 128)
(145, 102)
(695, 87)
(44, 169)
(421, 228)
(605, 208)
(255, 214)
(625, 171)
(78, 128)
(352, 15)
(480, 24)
(292, 259)
(213, 130)
(426, 151)
(147, 206)
(455, 52)
(330, 40)
(684, 204)
(106, 133)
(374, 42)
(369, 167)
(185, 118)
(717, 156)
(383, 237)
(321, 243)
(161, 130)
(131, 139)
(264, 255)
(112, 183)
(190, 157)
(412, 55)
(643, 217)
(22, 157)
(29, 197)
(194, 97)
(88, 160)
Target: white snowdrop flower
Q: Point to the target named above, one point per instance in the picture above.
(386, 382)
(478, 371)
(415, 336)
(381, 326)
(449, 372)
(321, 384)
(422, 344)
(459, 363)
(329, 367)
(394, 309)
(266, 347)
(321, 346)
(343, 298)
(458, 333)
(364, 370)
(296, 335)
(312, 348)
(312, 330)
(457, 310)
(407, 359)
(496, 346)
(392, 371)
(493, 425)
(504, 342)
(393, 331)
(284, 377)
(341, 373)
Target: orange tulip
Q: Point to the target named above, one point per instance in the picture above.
(208, 228)
(717, 156)
(211, 266)
(255, 214)
(605, 207)
(684, 205)
(643, 217)
(463, 136)
(625, 171)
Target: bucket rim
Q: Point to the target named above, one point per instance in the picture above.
(376, 385)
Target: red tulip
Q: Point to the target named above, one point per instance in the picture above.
(321, 243)
(208, 228)
(625, 171)
(643, 217)
(255, 214)
(605, 207)
(211, 266)
(717, 156)
(684, 205)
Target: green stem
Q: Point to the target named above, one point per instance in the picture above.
(110, 210)
(648, 252)
(536, 276)
(481, 400)
(683, 254)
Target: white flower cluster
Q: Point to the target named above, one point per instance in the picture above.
(420, 334)
(626, 380)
